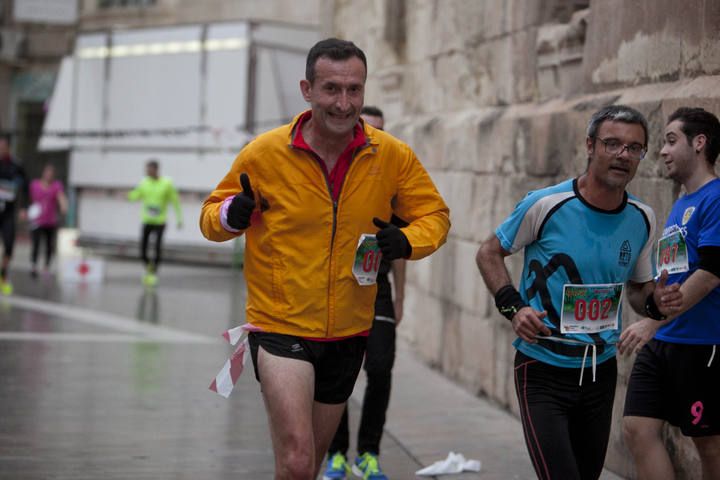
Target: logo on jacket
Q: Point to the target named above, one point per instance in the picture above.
(688, 213)
(625, 254)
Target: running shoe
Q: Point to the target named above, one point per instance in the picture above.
(6, 287)
(337, 467)
(367, 467)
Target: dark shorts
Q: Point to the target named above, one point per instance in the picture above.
(673, 382)
(336, 363)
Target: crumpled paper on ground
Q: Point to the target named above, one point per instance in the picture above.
(454, 463)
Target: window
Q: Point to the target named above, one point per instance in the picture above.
(562, 10)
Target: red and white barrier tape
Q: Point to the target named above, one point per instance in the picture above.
(225, 380)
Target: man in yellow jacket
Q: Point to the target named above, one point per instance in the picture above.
(313, 199)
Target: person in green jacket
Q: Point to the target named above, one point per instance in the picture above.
(155, 192)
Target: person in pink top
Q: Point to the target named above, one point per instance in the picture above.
(47, 198)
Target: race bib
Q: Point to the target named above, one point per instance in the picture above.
(590, 308)
(672, 253)
(367, 260)
(153, 211)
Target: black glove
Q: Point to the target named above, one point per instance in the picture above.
(392, 241)
(242, 206)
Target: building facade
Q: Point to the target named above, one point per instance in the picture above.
(34, 36)
(494, 97)
(169, 81)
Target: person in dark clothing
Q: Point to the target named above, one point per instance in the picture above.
(13, 189)
(379, 360)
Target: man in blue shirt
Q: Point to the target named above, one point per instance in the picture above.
(587, 244)
(675, 376)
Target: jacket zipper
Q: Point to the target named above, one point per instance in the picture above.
(335, 204)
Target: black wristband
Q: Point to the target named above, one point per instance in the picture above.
(709, 259)
(508, 301)
(652, 310)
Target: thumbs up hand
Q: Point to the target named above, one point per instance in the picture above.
(392, 241)
(668, 298)
(242, 205)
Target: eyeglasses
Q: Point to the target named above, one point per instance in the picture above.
(616, 147)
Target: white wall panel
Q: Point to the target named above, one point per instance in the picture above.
(58, 115)
(189, 171)
(89, 90)
(113, 218)
(155, 91)
(226, 86)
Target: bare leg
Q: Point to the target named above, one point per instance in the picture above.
(643, 435)
(288, 387)
(709, 450)
(326, 418)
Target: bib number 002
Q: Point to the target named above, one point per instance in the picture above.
(593, 310)
(590, 308)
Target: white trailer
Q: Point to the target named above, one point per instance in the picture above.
(189, 96)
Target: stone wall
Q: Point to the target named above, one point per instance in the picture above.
(494, 97)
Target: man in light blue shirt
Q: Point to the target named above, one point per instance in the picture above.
(587, 244)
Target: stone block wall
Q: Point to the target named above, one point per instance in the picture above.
(494, 97)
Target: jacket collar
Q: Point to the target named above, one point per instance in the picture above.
(371, 134)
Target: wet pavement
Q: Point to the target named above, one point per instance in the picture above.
(110, 381)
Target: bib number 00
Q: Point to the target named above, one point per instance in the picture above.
(367, 260)
(593, 310)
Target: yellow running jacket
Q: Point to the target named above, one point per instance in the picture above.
(300, 246)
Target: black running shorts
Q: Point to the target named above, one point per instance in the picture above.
(673, 382)
(336, 363)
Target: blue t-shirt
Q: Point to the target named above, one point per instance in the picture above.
(697, 217)
(568, 241)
